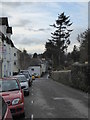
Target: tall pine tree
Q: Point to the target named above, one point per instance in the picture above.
(60, 37)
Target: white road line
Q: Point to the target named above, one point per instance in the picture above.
(32, 101)
(32, 117)
(58, 98)
(47, 76)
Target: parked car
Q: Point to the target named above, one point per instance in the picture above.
(27, 75)
(13, 95)
(36, 75)
(5, 112)
(24, 83)
(33, 77)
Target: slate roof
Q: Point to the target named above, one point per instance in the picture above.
(8, 41)
(4, 21)
(9, 30)
(2, 36)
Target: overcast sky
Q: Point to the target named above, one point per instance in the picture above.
(30, 21)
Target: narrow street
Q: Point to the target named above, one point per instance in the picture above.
(44, 39)
(49, 99)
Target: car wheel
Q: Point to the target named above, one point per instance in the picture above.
(28, 83)
(23, 115)
(28, 93)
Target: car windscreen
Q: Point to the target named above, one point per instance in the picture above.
(22, 79)
(26, 75)
(26, 72)
(9, 85)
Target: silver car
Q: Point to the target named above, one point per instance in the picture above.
(27, 75)
(24, 83)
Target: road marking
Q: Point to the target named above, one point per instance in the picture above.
(32, 101)
(32, 117)
(47, 76)
(32, 93)
(58, 98)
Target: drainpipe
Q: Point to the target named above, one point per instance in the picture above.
(0, 68)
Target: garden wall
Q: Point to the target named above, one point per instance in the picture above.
(62, 76)
(77, 77)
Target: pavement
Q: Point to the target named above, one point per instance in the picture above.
(49, 99)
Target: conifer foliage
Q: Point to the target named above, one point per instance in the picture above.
(58, 44)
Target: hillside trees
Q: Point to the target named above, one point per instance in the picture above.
(35, 55)
(75, 54)
(24, 59)
(83, 40)
(80, 54)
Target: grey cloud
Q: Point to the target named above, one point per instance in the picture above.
(22, 23)
(28, 41)
(9, 8)
(89, 15)
(12, 4)
(40, 29)
(25, 40)
(43, 29)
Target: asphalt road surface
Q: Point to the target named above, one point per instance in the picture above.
(49, 99)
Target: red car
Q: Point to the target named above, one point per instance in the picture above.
(13, 95)
(5, 113)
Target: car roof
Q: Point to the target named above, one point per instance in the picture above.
(21, 75)
(25, 73)
(24, 70)
(9, 78)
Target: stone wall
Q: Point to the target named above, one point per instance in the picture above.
(77, 77)
(62, 76)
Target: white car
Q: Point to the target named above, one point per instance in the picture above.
(24, 83)
(27, 75)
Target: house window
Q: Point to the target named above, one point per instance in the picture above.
(14, 63)
(32, 69)
(14, 54)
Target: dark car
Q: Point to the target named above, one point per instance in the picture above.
(5, 113)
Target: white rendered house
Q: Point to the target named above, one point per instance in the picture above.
(8, 52)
